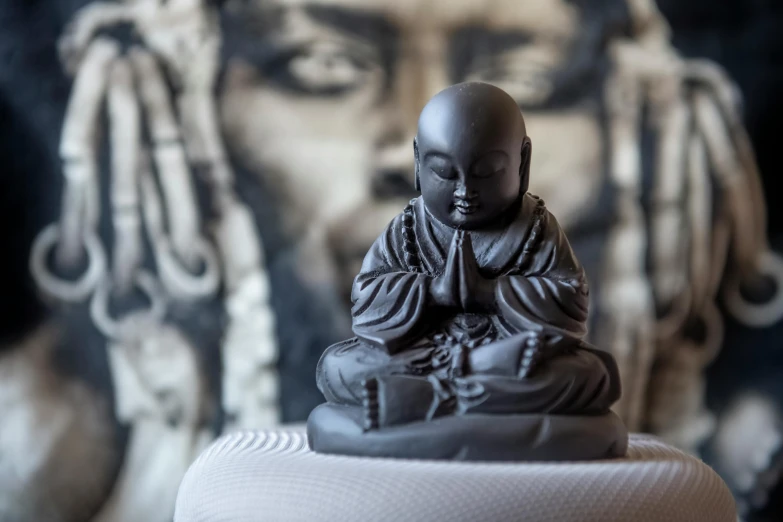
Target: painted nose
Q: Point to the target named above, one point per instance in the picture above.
(422, 72)
(393, 169)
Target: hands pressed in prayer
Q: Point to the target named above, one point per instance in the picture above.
(476, 293)
(444, 289)
(461, 285)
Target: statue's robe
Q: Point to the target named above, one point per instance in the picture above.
(541, 287)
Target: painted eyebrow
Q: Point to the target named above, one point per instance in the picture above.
(373, 28)
(472, 43)
(362, 23)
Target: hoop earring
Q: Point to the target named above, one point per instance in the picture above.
(524, 167)
(416, 181)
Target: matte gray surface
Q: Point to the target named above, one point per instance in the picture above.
(273, 476)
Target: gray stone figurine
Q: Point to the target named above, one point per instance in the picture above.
(469, 313)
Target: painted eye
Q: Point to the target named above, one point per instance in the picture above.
(488, 173)
(329, 67)
(525, 72)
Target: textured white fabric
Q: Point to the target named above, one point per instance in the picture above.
(273, 476)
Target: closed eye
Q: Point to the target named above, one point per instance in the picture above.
(488, 173)
(443, 172)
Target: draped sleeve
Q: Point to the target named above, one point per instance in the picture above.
(547, 287)
(388, 297)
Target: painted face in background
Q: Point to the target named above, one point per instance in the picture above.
(322, 98)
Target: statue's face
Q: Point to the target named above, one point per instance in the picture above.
(470, 153)
(469, 190)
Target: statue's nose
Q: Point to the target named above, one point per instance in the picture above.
(464, 192)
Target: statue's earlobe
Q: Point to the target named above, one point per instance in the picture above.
(416, 182)
(524, 166)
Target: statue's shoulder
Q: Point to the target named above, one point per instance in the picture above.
(534, 202)
(535, 223)
(402, 219)
(407, 218)
(401, 229)
(533, 209)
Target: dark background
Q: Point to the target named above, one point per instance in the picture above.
(746, 38)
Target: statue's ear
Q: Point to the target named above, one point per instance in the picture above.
(416, 182)
(524, 166)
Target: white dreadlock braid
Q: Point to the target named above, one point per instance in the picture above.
(158, 386)
(701, 143)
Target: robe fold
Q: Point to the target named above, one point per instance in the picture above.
(541, 287)
(540, 283)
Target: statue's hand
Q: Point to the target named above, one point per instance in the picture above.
(476, 293)
(444, 289)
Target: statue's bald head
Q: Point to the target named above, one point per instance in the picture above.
(474, 111)
(472, 154)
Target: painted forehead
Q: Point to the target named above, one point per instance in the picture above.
(543, 52)
(552, 17)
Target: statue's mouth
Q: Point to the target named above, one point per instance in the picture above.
(465, 208)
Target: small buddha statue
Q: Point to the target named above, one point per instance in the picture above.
(470, 312)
